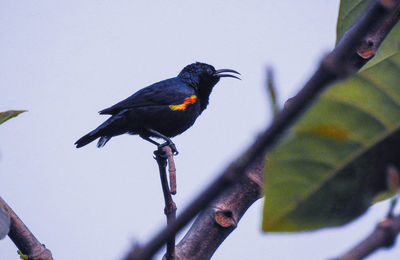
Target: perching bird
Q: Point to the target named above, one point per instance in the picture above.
(162, 110)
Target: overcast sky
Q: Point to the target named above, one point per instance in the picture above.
(65, 60)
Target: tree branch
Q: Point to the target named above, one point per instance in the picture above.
(373, 40)
(171, 170)
(343, 61)
(217, 221)
(384, 235)
(23, 238)
(161, 156)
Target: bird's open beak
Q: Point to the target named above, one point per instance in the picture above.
(217, 73)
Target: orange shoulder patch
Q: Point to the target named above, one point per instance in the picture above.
(186, 102)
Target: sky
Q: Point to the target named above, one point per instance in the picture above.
(64, 61)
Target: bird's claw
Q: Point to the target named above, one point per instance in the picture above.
(171, 145)
(160, 153)
(174, 150)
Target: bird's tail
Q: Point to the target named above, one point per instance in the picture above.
(90, 137)
(111, 127)
(84, 140)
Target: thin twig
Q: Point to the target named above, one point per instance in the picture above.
(384, 236)
(219, 219)
(339, 64)
(271, 90)
(161, 156)
(171, 169)
(23, 238)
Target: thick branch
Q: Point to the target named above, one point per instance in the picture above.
(23, 238)
(216, 222)
(384, 235)
(372, 41)
(340, 63)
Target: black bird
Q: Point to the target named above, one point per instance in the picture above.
(162, 110)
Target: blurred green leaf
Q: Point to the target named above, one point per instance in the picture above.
(332, 164)
(4, 116)
(4, 223)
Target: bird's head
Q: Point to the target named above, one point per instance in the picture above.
(203, 77)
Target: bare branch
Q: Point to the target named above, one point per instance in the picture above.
(383, 236)
(343, 61)
(23, 238)
(171, 169)
(216, 222)
(375, 37)
(161, 156)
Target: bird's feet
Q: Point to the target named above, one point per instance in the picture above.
(160, 155)
(171, 145)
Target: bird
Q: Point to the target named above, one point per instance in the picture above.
(162, 110)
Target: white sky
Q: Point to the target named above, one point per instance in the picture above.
(66, 60)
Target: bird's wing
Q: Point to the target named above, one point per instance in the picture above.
(167, 92)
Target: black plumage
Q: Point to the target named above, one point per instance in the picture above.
(162, 110)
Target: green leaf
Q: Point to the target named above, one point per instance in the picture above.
(333, 162)
(4, 116)
(4, 223)
(349, 11)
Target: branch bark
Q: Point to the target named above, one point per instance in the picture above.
(171, 170)
(23, 238)
(343, 61)
(161, 156)
(383, 236)
(217, 221)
